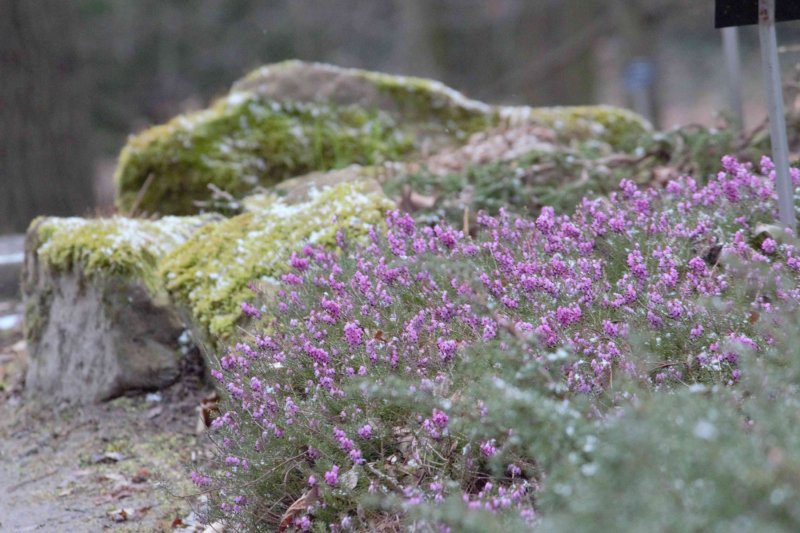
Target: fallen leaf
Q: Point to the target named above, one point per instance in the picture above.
(122, 515)
(208, 406)
(298, 507)
(141, 476)
(411, 200)
(107, 458)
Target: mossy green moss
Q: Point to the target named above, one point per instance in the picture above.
(620, 128)
(116, 246)
(243, 141)
(425, 106)
(209, 274)
(424, 100)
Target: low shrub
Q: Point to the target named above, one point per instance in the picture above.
(428, 380)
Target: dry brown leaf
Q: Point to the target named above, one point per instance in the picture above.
(207, 411)
(298, 507)
(122, 515)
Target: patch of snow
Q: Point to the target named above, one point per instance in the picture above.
(10, 321)
(12, 259)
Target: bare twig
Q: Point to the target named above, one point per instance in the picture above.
(140, 195)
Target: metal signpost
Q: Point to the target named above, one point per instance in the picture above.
(733, 70)
(765, 13)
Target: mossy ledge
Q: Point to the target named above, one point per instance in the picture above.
(241, 142)
(291, 118)
(208, 276)
(431, 106)
(620, 128)
(116, 246)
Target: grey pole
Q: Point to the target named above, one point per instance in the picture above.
(777, 120)
(733, 69)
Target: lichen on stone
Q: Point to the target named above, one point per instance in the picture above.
(208, 275)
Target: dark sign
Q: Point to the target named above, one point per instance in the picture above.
(745, 12)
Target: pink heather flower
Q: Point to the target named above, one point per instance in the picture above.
(353, 334)
(250, 310)
(489, 329)
(255, 384)
(341, 437)
(312, 481)
(439, 418)
(447, 348)
(332, 476)
(300, 263)
(488, 448)
(611, 329)
(365, 431)
(303, 523)
(355, 456)
(637, 265)
(200, 480)
(546, 219)
(769, 246)
(292, 279)
(568, 315)
(697, 265)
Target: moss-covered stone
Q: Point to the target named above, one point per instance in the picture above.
(116, 246)
(292, 118)
(428, 104)
(243, 141)
(209, 275)
(544, 156)
(621, 128)
(98, 319)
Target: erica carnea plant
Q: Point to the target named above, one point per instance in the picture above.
(427, 380)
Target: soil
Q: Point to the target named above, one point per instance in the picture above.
(121, 466)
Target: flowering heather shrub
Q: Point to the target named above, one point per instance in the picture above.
(429, 379)
(696, 459)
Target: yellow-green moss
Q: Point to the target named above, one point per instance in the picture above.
(209, 274)
(114, 246)
(241, 142)
(620, 128)
(424, 100)
(426, 106)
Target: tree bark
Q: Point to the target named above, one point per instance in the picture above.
(45, 132)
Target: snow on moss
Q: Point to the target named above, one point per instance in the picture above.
(243, 141)
(209, 275)
(618, 127)
(110, 246)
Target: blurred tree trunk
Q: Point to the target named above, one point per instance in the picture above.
(558, 38)
(45, 149)
(417, 49)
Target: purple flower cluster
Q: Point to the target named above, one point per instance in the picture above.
(408, 302)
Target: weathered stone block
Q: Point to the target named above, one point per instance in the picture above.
(286, 120)
(98, 322)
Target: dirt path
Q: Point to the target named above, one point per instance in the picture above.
(120, 466)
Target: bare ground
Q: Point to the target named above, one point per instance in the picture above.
(120, 466)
